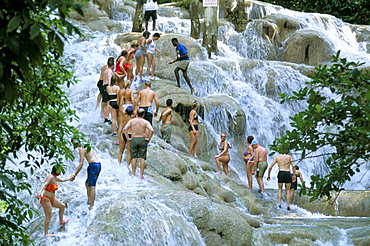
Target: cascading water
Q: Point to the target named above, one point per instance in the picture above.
(240, 71)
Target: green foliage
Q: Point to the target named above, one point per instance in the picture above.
(34, 110)
(356, 12)
(341, 121)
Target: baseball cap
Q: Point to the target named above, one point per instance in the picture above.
(254, 141)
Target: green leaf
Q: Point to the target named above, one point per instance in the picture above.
(35, 31)
(7, 182)
(14, 23)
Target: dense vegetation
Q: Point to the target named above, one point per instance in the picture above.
(351, 11)
(34, 109)
(337, 120)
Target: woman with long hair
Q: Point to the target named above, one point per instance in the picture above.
(193, 129)
(224, 156)
(141, 53)
(48, 200)
(248, 159)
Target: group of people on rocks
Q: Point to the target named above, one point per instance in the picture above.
(134, 133)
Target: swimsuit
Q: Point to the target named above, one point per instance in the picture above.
(112, 96)
(151, 47)
(93, 171)
(284, 177)
(148, 114)
(246, 153)
(262, 165)
(139, 52)
(124, 136)
(124, 106)
(100, 86)
(127, 65)
(191, 129)
(166, 133)
(114, 104)
(138, 145)
(51, 188)
(42, 197)
(294, 185)
(118, 69)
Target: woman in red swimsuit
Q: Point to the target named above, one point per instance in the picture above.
(48, 200)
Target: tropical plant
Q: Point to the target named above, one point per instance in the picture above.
(337, 118)
(356, 12)
(34, 109)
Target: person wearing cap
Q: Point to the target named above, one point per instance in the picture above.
(260, 164)
(140, 54)
(183, 63)
(286, 166)
(150, 54)
(142, 132)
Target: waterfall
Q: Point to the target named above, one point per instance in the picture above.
(241, 71)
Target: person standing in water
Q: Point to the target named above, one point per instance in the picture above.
(100, 86)
(141, 54)
(193, 129)
(48, 200)
(166, 117)
(249, 161)
(259, 165)
(285, 165)
(93, 171)
(145, 99)
(150, 54)
(142, 132)
(184, 61)
(223, 157)
(294, 185)
(112, 91)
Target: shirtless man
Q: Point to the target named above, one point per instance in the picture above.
(260, 164)
(93, 171)
(142, 132)
(129, 64)
(166, 118)
(107, 76)
(284, 176)
(293, 187)
(146, 98)
(100, 85)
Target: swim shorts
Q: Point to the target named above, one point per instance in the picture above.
(166, 133)
(284, 177)
(148, 114)
(93, 171)
(105, 94)
(138, 145)
(151, 13)
(294, 185)
(183, 64)
(262, 166)
(100, 86)
(191, 129)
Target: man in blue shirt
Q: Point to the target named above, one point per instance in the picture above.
(184, 60)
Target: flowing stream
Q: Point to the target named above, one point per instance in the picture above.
(140, 201)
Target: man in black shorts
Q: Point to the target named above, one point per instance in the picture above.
(150, 11)
(141, 133)
(284, 176)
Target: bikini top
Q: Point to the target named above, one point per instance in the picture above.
(51, 188)
(221, 148)
(247, 153)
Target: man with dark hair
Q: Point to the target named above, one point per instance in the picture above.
(150, 11)
(141, 133)
(284, 176)
(166, 117)
(184, 60)
(100, 85)
(295, 177)
(93, 170)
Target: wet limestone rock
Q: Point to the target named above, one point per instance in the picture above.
(308, 47)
